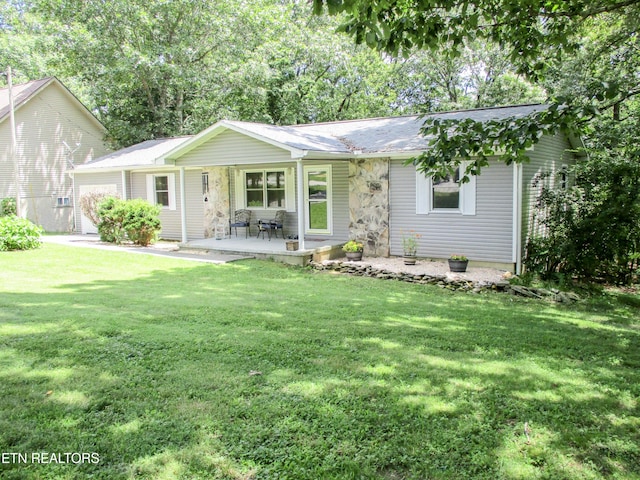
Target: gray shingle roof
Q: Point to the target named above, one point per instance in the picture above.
(368, 136)
(139, 155)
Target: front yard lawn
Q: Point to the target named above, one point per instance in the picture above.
(133, 366)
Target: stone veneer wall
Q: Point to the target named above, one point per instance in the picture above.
(369, 204)
(217, 207)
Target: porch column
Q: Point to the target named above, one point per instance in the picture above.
(124, 184)
(183, 206)
(300, 192)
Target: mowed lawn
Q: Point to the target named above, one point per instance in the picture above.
(161, 368)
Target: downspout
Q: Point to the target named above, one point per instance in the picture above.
(517, 217)
(300, 193)
(183, 205)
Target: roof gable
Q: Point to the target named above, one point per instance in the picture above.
(25, 92)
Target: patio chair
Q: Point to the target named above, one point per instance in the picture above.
(273, 225)
(242, 219)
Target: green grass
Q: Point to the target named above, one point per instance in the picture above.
(150, 363)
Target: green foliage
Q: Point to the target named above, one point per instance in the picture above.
(136, 220)
(141, 221)
(353, 246)
(19, 234)
(593, 229)
(8, 207)
(111, 212)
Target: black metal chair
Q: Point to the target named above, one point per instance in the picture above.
(242, 219)
(277, 223)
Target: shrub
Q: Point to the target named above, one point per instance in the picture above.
(136, 219)
(141, 222)
(110, 216)
(8, 207)
(89, 203)
(19, 234)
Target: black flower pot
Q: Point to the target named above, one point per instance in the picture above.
(458, 266)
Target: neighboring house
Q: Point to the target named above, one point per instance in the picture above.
(54, 132)
(336, 181)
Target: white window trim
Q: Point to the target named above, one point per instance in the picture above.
(289, 189)
(424, 192)
(151, 189)
(329, 229)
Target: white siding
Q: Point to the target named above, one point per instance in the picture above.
(485, 236)
(42, 124)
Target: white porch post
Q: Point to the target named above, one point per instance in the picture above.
(300, 193)
(124, 184)
(183, 206)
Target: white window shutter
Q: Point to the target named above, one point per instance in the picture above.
(239, 193)
(151, 189)
(423, 194)
(468, 193)
(171, 180)
(290, 189)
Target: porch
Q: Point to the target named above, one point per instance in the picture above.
(275, 249)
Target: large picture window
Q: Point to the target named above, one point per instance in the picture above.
(265, 189)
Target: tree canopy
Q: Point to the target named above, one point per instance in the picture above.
(156, 69)
(584, 52)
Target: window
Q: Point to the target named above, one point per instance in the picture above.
(446, 192)
(205, 183)
(447, 195)
(265, 189)
(63, 202)
(564, 177)
(161, 190)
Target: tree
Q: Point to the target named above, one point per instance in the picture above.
(537, 35)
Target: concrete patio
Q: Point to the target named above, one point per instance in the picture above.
(263, 248)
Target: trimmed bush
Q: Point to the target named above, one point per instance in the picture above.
(19, 234)
(136, 219)
(141, 222)
(110, 218)
(8, 207)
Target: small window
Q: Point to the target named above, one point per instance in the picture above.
(162, 190)
(63, 202)
(446, 192)
(205, 183)
(564, 177)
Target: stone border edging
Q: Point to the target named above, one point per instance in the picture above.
(443, 281)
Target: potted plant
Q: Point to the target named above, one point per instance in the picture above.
(292, 242)
(410, 247)
(458, 263)
(354, 250)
